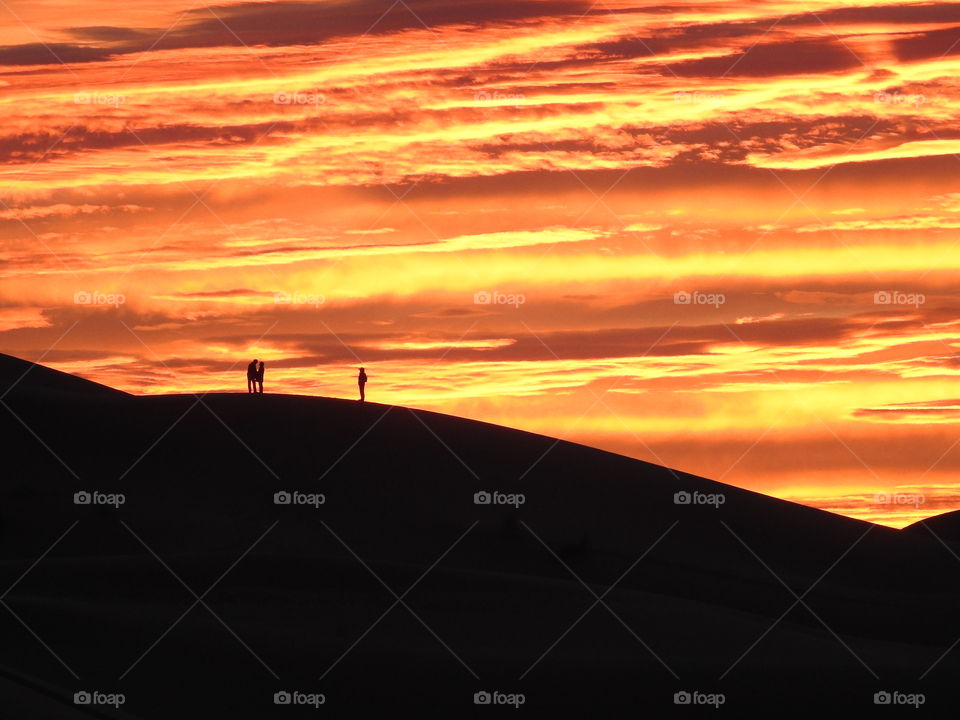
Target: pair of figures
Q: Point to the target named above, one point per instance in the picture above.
(255, 377)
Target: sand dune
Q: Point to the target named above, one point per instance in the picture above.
(689, 590)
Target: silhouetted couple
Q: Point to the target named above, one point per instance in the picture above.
(255, 377)
(361, 382)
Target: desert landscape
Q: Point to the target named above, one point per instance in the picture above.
(381, 580)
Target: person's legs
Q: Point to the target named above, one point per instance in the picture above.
(362, 394)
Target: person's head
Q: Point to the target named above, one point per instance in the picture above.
(261, 363)
(362, 370)
(254, 361)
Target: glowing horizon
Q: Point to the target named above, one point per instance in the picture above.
(715, 236)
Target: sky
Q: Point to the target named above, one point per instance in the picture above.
(717, 236)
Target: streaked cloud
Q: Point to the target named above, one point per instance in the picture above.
(718, 236)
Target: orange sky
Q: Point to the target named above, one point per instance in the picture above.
(325, 184)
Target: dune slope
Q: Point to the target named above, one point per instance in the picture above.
(583, 583)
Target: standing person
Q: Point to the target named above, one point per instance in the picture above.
(260, 376)
(252, 376)
(361, 381)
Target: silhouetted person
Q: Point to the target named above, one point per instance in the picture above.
(252, 377)
(361, 381)
(260, 376)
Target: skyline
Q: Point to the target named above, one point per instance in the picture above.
(715, 236)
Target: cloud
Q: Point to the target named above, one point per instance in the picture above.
(827, 155)
(930, 44)
(287, 23)
(772, 59)
(947, 410)
(64, 210)
(51, 54)
(23, 317)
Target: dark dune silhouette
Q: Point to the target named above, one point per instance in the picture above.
(41, 380)
(945, 526)
(689, 591)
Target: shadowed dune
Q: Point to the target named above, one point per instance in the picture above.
(945, 526)
(500, 594)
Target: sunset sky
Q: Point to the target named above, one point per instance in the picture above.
(718, 236)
